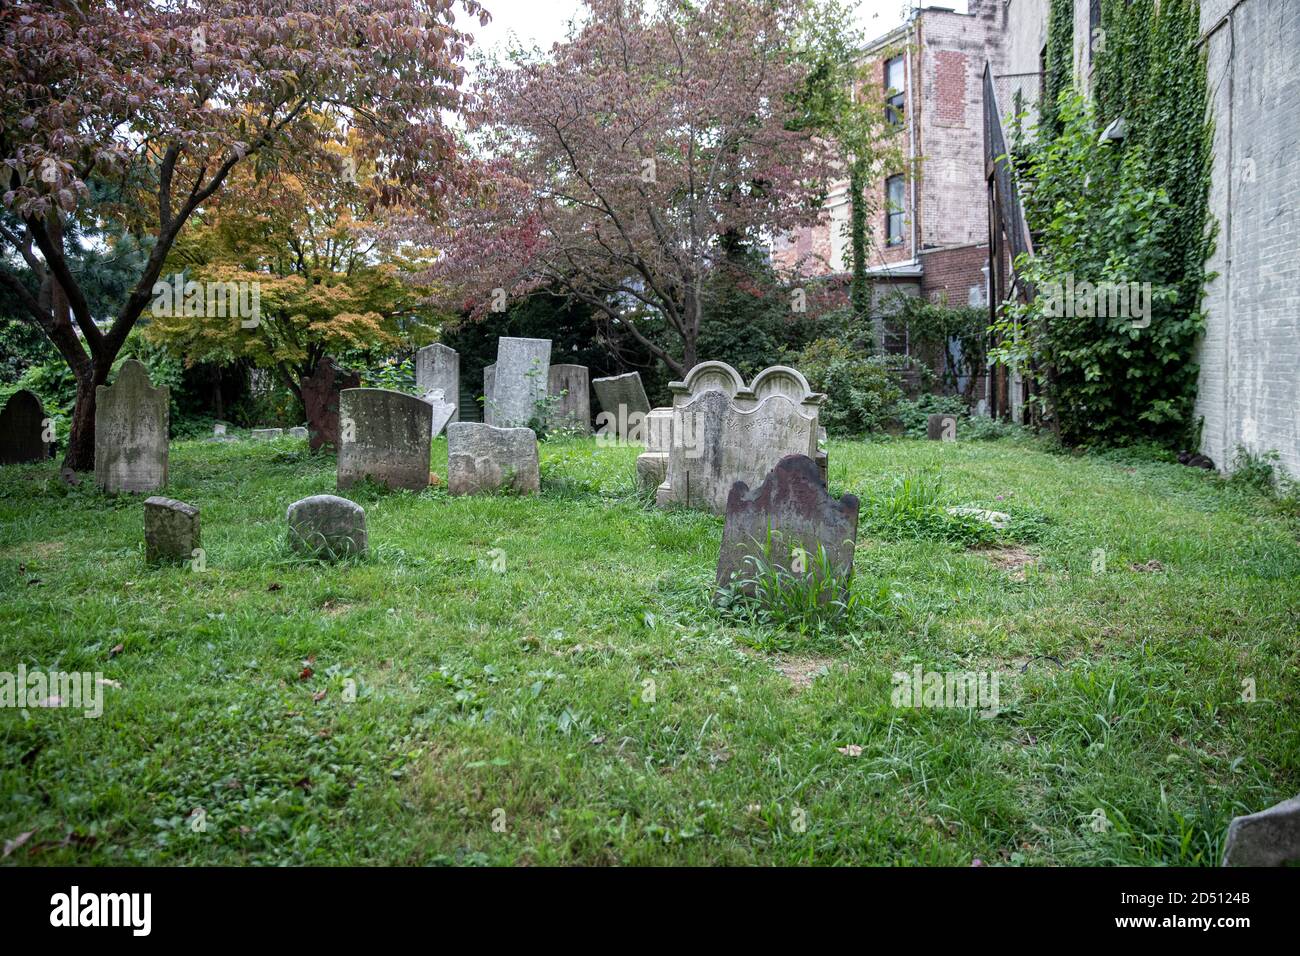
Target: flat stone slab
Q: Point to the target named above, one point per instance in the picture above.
(22, 429)
(171, 530)
(300, 432)
(328, 527)
(520, 380)
(1268, 838)
(484, 458)
(625, 392)
(267, 434)
(438, 366)
(803, 520)
(443, 411)
(384, 435)
(131, 425)
(1000, 520)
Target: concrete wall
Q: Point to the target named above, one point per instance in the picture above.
(1249, 392)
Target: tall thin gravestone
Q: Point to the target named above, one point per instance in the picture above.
(131, 422)
(520, 380)
(570, 393)
(438, 366)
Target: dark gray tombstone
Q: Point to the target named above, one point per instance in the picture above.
(327, 526)
(171, 530)
(438, 366)
(131, 422)
(570, 391)
(802, 519)
(384, 435)
(22, 429)
(941, 428)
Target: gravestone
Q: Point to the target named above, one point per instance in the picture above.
(715, 443)
(171, 530)
(384, 435)
(327, 526)
(22, 429)
(941, 428)
(1268, 838)
(299, 432)
(570, 393)
(484, 458)
(218, 429)
(489, 381)
(657, 431)
(438, 366)
(621, 395)
(803, 520)
(519, 381)
(320, 397)
(267, 434)
(131, 421)
(443, 411)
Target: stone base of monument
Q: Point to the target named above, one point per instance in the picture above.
(651, 469)
(787, 524)
(171, 530)
(483, 458)
(327, 527)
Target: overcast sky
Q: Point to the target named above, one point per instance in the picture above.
(543, 22)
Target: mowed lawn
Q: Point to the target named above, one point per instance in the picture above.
(544, 680)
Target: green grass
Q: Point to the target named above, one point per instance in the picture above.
(591, 700)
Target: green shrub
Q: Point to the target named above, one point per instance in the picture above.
(862, 392)
(913, 414)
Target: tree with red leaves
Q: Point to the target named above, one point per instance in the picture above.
(157, 103)
(625, 163)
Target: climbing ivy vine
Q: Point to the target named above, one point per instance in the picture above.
(1060, 60)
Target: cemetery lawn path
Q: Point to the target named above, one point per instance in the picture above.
(544, 681)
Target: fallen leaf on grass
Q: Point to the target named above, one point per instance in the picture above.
(319, 695)
(852, 750)
(305, 673)
(274, 586)
(16, 842)
(117, 649)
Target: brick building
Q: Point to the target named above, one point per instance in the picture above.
(928, 231)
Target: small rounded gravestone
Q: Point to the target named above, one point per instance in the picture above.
(327, 526)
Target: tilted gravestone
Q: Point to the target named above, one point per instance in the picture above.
(23, 430)
(484, 458)
(621, 395)
(131, 422)
(715, 444)
(443, 411)
(327, 526)
(438, 366)
(941, 427)
(171, 530)
(1268, 838)
(320, 397)
(519, 381)
(384, 435)
(489, 381)
(570, 394)
(789, 523)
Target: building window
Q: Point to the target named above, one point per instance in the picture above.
(894, 210)
(895, 84)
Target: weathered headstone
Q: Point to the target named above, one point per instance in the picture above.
(803, 521)
(715, 444)
(267, 434)
(327, 526)
(941, 428)
(131, 422)
(22, 429)
(657, 431)
(484, 458)
(520, 380)
(443, 411)
(320, 397)
(438, 366)
(489, 382)
(171, 530)
(570, 394)
(1268, 838)
(299, 432)
(218, 429)
(384, 435)
(625, 392)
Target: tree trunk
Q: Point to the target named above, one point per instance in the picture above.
(81, 438)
